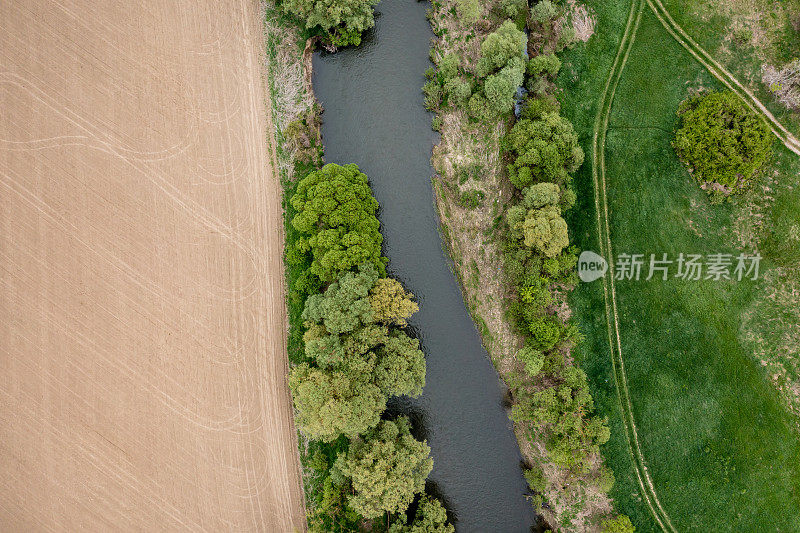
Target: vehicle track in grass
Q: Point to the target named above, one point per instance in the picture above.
(646, 484)
(718, 71)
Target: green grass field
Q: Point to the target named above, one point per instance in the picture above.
(743, 44)
(718, 439)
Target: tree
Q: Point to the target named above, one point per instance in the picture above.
(544, 12)
(391, 303)
(400, 366)
(336, 217)
(723, 142)
(543, 149)
(345, 304)
(342, 20)
(545, 230)
(499, 47)
(387, 467)
(544, 65)
(620, 524)
(332, 403)
(500, 88)
(537, 220)
(431, 517)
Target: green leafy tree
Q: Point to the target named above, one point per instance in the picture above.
(620, 524)
(387, 467)
(501, 87)
(336, 216)
(400, 366)
(332, 403)
(537, 220)
(431, 517)
(343, 21)
(545, 230)
(345, 304)
(500, 47)
(533, 360)
(723, 142)
(544, 12)
(391, 303)
(543, 149)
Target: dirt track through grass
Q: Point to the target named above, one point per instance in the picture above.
(645, 482)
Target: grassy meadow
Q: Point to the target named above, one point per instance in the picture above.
(720, 443)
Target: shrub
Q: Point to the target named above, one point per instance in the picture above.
(543, 149)
(448, 66)
(387, 467)
(606, 480)
(471, 198)
(468, 11)
(533, 360)
(544, 331)
(478, 107)
(535, 478)
(620, 524)
(336, 218)
(544, 65)
(458, 91)
(433, 94)
(784, 83)
(722, 141)
(342, 21)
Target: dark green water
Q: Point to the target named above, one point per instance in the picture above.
(374, 117)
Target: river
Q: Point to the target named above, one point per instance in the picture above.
(374, 117)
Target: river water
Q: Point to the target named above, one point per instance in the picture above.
(374, 117)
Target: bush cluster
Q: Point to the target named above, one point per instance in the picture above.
(356, 356)
(723, 142)
(541, 151)
(338, 22)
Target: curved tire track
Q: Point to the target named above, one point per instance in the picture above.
(718, 71)
(646, 484)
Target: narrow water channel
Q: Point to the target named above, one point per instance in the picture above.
(374, 117)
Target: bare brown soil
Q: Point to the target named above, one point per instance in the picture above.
(142, 321)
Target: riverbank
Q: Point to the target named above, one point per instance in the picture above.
(374, 117)
(470, 164)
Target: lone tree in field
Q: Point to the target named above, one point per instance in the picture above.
(386, 467)
(722, 141)
(343, 21)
